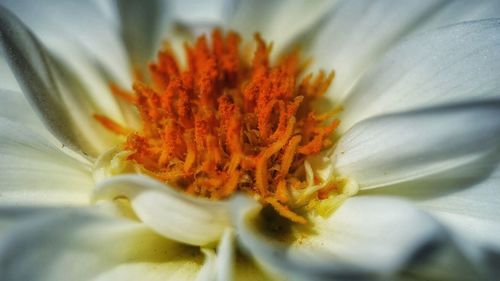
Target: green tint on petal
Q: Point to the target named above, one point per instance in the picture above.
(34, 172)
(81, 245)
(178, 216)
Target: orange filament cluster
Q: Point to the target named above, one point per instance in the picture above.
(224, 124)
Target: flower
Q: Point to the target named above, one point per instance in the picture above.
(419, 137)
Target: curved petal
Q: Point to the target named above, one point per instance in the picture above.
(50, 88)
(226, 260)
(34, 172)
(7, 80)
(228, 264)
(55, 23)
(451, 64)
(81, 245)
(15, 108)
(140, 26)
(278, 21)
(467, 205)
(180, 217)
(357, 32)
(460, 11)
(208, 271)
(367, 238)
(400, 147)
(30, 63)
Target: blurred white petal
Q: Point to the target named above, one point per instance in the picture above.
(208, 271)
(141, 26)
(226, 252)
(61, 24)
(359, 242)
(461, 10)
(195, 221)
(51, 88)
(448, 65)
(400, 147)
(88, 246)
(7, 78)
(15, 108)
(34, 172)
(464, 199)
(201, 11)
(279, 21)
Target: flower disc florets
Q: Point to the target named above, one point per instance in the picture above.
(225, 123)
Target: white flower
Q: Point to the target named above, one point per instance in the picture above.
(420, 136)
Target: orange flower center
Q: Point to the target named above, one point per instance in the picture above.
(224, 124)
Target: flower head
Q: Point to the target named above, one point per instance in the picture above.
(234, 163)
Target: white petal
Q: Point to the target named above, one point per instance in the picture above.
(464, 199)
(84, 76)
(357, 32)
(225, 256)
(400, 147)
(55, 23)
(81, 245)
(140, 24)
(366, 238)
(226, 266)
(208, 271)
(180, 217)
(456, 63)
(50, 88)
(278, 21)
(34, 172)
(460, 11)
(15, 108)
(7, 78)
(201, 11)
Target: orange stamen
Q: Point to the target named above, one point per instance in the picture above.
(112, 125)
(226, 123)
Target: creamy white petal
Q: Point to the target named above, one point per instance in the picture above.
(226, 252)
(15, 108)
(69, 244)
(140, 26)
(461, 10)
(400, 147)
(175, 215)
(278, 21)
(357, 32)
(451, 64)
(464, 199)
(30, 63)
(227, 264)
(50, 87)
(209, 270)
(34, 172)
(7, 78)
(472, 210)
(365, 239)
(201, 11)
(84, 74)
(61, 24)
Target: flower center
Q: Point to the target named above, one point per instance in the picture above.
(225, 123)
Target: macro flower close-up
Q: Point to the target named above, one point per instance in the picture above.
(249, 140)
